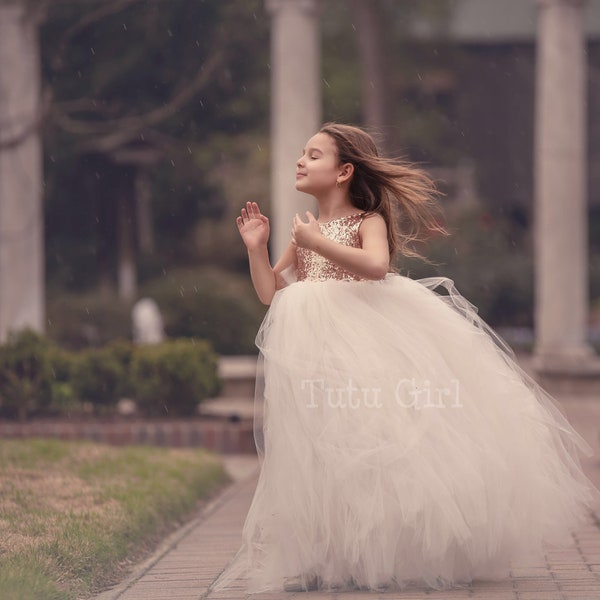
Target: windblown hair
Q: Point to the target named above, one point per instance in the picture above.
(402, 194)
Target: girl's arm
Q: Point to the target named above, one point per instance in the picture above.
(371, 261)
(288, 259)
(263, 278)
(267, 280)
(254, 229)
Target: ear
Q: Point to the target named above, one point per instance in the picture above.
(346, 172)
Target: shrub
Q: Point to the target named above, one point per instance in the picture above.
(123, 351)
(100, 376)
(209, 304)
(62, 398)
(26, 374)
(174, 377)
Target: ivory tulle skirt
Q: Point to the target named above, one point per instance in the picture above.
(400, 443)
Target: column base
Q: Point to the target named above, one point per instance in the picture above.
(570, 372)
(575, 362)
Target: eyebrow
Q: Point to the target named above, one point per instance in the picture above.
(312, 150)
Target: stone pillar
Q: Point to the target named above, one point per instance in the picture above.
(21, 214)
(295, 107)
(560, 213)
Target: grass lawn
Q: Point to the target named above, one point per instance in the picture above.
(74, 516)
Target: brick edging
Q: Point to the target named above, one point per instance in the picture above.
(220, 436)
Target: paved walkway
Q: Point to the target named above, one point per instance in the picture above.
(191, 559)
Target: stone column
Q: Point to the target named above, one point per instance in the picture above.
(560, 213)
(21, 214)
(295, 107)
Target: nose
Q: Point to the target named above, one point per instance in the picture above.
(300, 162)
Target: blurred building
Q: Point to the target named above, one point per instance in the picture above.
(491, 94)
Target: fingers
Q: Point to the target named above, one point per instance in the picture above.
(254, 210)
(249, 212)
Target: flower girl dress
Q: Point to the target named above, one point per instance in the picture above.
(400, 443)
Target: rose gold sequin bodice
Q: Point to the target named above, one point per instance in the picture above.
(314, 267)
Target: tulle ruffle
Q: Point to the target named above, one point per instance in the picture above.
(400, 443)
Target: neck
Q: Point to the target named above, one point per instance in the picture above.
(334, 205)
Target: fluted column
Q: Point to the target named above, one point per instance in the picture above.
(295, 106)
(561, 245)
(21, 215)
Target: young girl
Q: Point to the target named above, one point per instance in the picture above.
(399, 441)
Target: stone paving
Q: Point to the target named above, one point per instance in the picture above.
(192, 558)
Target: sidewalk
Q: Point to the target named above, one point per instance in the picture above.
(191, 559)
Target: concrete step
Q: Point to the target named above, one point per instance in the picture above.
(585, 383)
(226, 407)
(238, 374)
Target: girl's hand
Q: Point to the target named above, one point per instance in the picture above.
(305, 235)
(253, 226)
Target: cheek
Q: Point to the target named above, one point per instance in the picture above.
(322, 176)
(326, 171)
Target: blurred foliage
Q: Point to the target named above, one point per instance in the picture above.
(185, 84)
(100, 377)
(39, 379)
(172, 378)
(77, 321)
(489, 258)
(172, 85)
(422, 113)
(26, 374)
(209, 304)
(198, 303)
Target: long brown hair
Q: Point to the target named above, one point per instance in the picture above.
(414, 213)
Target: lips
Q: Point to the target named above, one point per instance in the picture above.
(298, 175)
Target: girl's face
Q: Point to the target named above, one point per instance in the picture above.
(318, 168)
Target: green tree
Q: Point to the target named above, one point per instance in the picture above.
(148, 87)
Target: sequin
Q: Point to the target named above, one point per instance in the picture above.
(314, 267)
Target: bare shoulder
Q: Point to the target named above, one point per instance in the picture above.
(373, 217)
(373, 224)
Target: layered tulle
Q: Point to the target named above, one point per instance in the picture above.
(400, 442)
